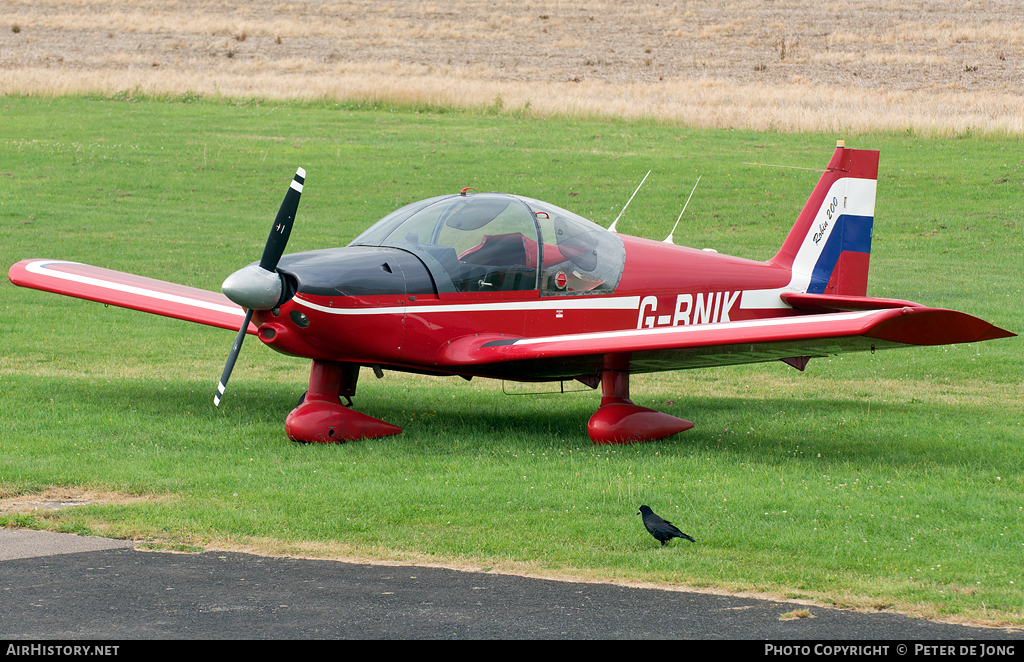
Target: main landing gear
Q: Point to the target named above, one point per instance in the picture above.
(619, 421)
(322, 418)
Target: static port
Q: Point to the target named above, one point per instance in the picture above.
(299, 318)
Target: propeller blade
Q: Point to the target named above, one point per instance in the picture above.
(272, 253)
(282, 228)
(232, 357)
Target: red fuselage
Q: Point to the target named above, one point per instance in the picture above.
(661, 285)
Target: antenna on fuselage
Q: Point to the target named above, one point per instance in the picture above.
(668, 240)
(611, 228)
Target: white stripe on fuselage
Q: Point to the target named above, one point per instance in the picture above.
(609, 303)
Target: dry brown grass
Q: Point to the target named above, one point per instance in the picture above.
(793, 65)
(61, 498)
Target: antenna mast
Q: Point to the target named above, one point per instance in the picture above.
(611, 228)
(668, 240)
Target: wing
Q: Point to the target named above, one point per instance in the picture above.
(704, 345)
(130, 291)
(661, 522)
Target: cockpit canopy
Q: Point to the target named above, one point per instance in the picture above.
(491, 242)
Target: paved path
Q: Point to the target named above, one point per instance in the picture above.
(61, 586)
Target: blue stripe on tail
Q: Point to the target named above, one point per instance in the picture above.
(851, 233)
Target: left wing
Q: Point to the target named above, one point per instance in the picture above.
(130, 291)
(704, 345)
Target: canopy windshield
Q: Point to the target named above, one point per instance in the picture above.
(493, 242)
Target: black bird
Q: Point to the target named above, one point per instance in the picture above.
(661, 529)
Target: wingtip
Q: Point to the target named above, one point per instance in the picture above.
(936, 326)
(995, 333)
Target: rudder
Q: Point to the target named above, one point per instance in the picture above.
(829, 247)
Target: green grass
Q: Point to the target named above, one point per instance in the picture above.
(887, 480)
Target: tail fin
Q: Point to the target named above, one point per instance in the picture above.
(829, 247)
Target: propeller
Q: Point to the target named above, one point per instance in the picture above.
(259, 286)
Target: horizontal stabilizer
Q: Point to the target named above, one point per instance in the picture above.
(835, 303)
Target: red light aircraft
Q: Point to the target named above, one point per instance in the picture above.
(508, 287)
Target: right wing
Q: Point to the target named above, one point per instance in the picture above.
(130, 291)
(729, 343)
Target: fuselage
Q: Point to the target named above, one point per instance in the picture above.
(381, 305)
